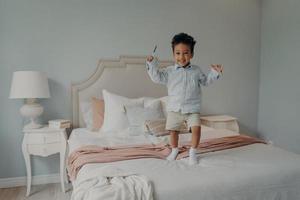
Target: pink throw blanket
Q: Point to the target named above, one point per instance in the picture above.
(97, 154)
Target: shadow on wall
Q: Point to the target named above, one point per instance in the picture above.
(58, 105)
(247, 131)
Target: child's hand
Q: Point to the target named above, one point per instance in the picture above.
(217, 67)
(150, 58)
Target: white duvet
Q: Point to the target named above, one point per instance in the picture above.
(108, 182)
(253, 172)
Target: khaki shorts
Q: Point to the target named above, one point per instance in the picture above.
(175, 120)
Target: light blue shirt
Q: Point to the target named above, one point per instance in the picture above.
(184, 85)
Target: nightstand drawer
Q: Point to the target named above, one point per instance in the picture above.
(43, 138)
(43, 149)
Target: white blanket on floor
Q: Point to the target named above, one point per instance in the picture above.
(111, 183)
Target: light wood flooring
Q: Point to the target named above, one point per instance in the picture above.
(38, 192)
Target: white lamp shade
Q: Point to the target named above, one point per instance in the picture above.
(29, 84)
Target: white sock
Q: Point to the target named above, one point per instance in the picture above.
(173, 154)
(193, 157)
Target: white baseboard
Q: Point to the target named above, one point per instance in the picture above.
(36, 180)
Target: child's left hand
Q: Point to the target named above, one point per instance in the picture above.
(217, 67)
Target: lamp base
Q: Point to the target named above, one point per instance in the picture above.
(32, 110)
(32, 125)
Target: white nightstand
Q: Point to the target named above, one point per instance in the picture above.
(221, 122)
(43, 142)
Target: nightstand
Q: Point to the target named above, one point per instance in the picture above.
(44, 142)
(221, 122)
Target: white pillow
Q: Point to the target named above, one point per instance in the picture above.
(87, 114)
(114, 117)
(164, 103)
(137, 115)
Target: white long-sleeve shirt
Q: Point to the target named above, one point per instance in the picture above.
(184, 85)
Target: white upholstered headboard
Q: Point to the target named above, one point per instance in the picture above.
(126, 76)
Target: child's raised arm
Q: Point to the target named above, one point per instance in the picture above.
(157, 75)
(217, 67)
(214, 74)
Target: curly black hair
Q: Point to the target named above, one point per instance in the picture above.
(185, 39)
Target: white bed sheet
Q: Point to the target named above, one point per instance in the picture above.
(252, 172)
(83, 136)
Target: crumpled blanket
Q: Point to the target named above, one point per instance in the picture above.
(96, 154)
(111, 183)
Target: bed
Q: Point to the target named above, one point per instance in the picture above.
(251, 172)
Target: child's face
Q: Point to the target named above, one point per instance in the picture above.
(182, 54)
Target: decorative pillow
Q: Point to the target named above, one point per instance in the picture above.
(149, 100)
(155, 106)
(98, 113)
(158, 127)
(93, 113)
(87, 114)
(137, 115)
(114, 117)
(164, 102)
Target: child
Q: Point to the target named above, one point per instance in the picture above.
(184, 82)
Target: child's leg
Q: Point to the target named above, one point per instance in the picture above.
(174, 145)
(196, 134)
(174, 139)
(174, 122)
(195, 124)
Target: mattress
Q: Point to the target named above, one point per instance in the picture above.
(256, 171)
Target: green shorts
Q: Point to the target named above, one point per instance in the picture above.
(175, 120)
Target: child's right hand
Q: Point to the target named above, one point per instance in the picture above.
(150, 58)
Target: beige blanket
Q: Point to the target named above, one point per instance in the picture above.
(97, 154)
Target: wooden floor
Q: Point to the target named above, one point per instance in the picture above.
(38, 192)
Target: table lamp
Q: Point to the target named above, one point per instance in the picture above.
(30, 85)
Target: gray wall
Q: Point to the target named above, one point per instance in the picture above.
(279, 94)
(66, 38)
